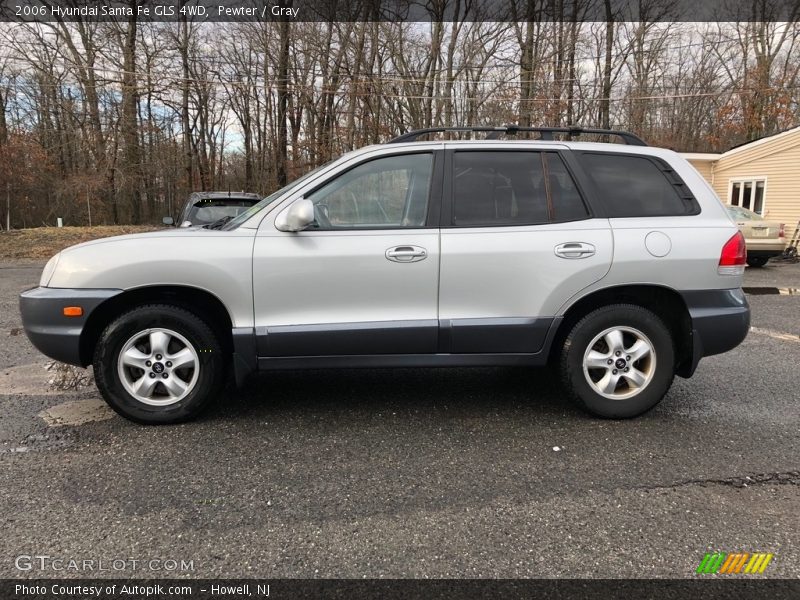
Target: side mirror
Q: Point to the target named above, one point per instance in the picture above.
(297, 217)
(168, 221)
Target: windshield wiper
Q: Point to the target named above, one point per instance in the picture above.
(218, 223)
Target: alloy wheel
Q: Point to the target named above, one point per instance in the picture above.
(158, 366)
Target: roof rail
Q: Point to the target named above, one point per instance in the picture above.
(546, 133)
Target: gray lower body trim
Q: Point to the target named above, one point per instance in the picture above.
(720, 322)
(456, 336)
(379, 337)
(525, 335)
(47, 328)
(356, 361)
(461, 343)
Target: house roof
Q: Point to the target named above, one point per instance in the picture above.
(761, 141)
(700, 156)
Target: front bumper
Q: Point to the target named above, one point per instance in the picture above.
(720, 322)
(47, 328)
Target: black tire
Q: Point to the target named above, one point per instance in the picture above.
(577, 343)
(757, 261)
(207, 384)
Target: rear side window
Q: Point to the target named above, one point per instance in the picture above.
(638, 186)
(513, 188)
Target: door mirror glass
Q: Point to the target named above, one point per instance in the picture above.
(297, 217)
(168, 221)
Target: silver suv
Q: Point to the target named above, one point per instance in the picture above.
(616, 262)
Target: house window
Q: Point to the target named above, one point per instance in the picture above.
(749, 194)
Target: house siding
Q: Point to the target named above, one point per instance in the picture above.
(704, 167)
(781, 170)
(775, 159)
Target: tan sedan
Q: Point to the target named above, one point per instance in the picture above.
(765, 239)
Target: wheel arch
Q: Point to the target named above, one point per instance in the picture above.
(200, 302)
(665, 302)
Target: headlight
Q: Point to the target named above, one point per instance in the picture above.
(49, 269)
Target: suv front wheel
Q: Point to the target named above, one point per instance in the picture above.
(158, 364)
(618, 361)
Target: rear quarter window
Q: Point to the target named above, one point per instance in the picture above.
(638, 186)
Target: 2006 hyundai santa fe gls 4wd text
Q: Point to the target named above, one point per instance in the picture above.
(615, 263)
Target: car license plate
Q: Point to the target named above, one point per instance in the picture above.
(760, 231)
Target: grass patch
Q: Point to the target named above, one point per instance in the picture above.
(43, 242)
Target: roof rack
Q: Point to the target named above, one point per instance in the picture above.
(546, 133)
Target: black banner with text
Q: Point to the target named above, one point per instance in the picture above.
(397, 10)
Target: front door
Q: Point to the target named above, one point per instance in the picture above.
(364, 278)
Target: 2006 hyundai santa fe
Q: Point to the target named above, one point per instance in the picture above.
(614, 262)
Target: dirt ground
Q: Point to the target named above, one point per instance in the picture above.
(43, 242)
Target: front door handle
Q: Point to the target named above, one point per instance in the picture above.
(575, 250)
(405, 254)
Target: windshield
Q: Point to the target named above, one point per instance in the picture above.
(206, 212)
(244, 216)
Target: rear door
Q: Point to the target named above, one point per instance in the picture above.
(518, 240)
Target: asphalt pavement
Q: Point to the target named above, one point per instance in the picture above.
(411, 472)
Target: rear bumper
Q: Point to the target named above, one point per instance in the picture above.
(720, 320)
(47, 328)
(756, 246)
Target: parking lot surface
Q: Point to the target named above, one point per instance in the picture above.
(411, 473)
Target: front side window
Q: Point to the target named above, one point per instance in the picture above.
(513, 188)
(389, 192)
(636, 186)
(749, 194)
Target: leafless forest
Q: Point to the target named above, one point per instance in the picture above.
(124, 119)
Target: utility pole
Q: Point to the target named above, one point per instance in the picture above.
(88, 206)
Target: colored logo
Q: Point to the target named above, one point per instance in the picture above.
(734, 562)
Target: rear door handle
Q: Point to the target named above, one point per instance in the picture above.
(575, 250)
(405, 254)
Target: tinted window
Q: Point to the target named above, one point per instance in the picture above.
(635, 186)
(386, 192)
(565, 198)
(510, 188)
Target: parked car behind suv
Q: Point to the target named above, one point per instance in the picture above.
(615, 264)
(206, 208)
(764, 239)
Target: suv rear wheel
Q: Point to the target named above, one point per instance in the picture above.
(618, 361)
(158, 364)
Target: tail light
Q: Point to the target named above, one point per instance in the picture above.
(782, 230)
(733, 256)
